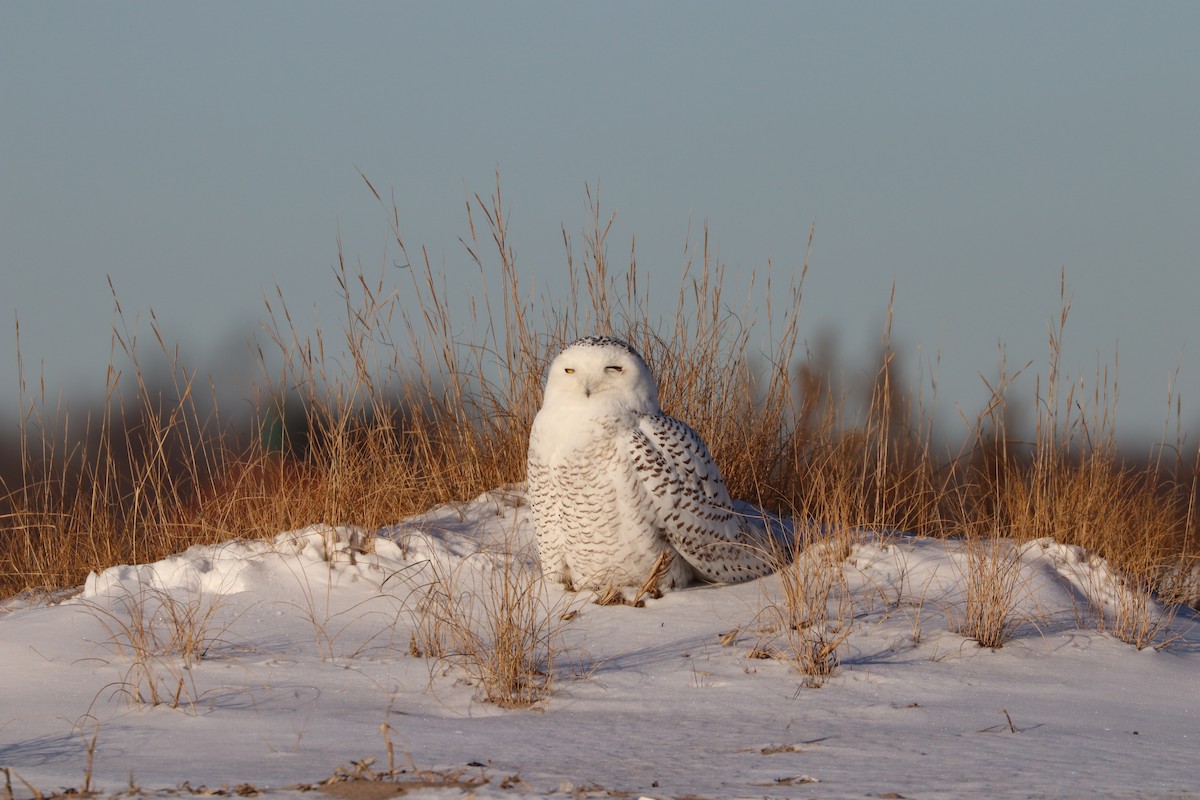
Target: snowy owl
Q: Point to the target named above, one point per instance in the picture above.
(622, 494)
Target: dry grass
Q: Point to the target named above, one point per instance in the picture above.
(492, 617)
(161, 635)
(424, 397)
(807, 622)
(1139, 619)
(993, 588)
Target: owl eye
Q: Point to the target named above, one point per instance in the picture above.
(613, 368)
(569, 370)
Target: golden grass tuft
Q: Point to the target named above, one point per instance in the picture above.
(811, 616)
(993, 589)
(491, 616)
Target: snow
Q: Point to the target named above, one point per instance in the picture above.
(303, 653)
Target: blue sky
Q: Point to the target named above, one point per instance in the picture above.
(200, 153)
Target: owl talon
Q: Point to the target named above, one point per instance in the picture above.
(650, 587)
(612, 596)
(628, 596)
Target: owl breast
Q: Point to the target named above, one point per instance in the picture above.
(595, 527)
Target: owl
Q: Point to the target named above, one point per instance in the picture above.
(623, 494)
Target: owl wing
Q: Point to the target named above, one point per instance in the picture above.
(692, 507)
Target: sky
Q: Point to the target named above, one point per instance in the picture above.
(198, 155)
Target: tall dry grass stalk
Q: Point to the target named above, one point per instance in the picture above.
(428, 391)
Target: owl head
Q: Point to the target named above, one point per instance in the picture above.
(601, 374)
